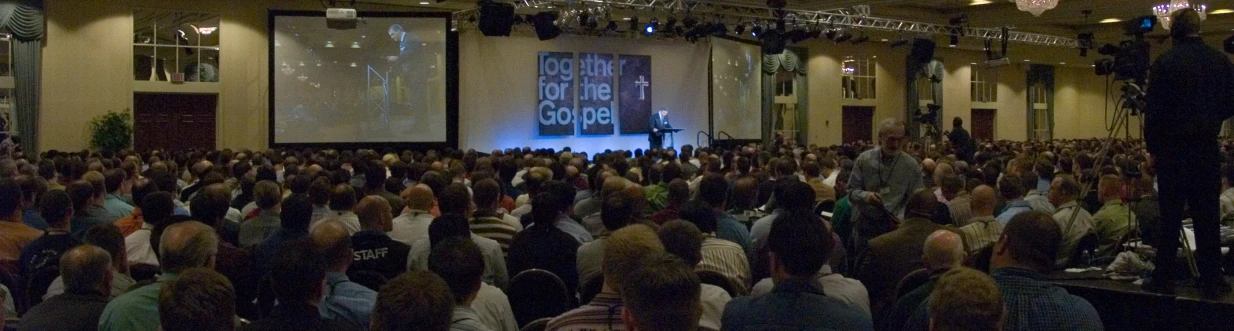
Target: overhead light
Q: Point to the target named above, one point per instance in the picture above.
(1062, 63)
(207, 30)
(979, 2)
(302, 77)
(756, 30)
(1221, 11)
(329, 44)
(651, 26)
(423, 2)
(973, 63)
(301, 63)
(884, 40)
(355, 44)
(1111, 20)
(1026, 60)
(353, 64)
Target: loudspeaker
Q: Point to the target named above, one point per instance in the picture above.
(773, 42)
(923, 50)
(545, 29)
(496, 19)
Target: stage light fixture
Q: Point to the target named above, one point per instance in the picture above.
(545, 29)
(955, 40)
(651, 27)
(843, 36)
(689, 22)
(757, 30)
(831, 34)
(797, 35)
(612, 26)
(816, 33)
(634, 24)
(740, 29)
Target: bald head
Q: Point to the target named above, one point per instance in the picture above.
(418, 197)
(983, 201)
(187, 245)
(1110, 188)
(941, 170)
(374, 213)
(943, 250)
(86, 269)
(334, 243)
(1185, 23)
(611, 185)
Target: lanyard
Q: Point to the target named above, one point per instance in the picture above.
(883, 181)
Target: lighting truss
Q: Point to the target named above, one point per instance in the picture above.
(857, 17)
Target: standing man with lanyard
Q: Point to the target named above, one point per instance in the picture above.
(885, 174)
(659, 122)
(1191, 93)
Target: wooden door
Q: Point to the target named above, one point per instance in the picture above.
(858, 124)
(174, 121)
(983, 124)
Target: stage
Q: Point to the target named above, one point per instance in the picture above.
(1124, 306)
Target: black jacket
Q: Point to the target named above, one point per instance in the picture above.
(1191, 90)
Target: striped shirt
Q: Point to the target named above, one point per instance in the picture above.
(961, 209)
(726, 258)
(980, 232)
(602, 313)
(493, 227)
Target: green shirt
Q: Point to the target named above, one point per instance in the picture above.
(136, 310)
(1111, 224)
(657, 196)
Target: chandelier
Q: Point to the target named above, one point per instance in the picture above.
(1036, 6)
(1164, 11)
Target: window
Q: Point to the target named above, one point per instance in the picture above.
(1042, 122)
(8, 126)
(171, 43)
(858, 80)
(985, 84)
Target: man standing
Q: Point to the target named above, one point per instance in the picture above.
(885, 174)
(1192, 92)
(410, 73)
(961, 140)
(659, 122)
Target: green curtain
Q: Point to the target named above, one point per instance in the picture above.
(1043, 74)
(24, 19)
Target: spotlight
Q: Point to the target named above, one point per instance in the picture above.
(741, 28)
(651, 27)
(757, 30)
(831, 34)
(816, 33)
(863, 38)
(955, 40)
(844, 36)
(797, 35)
(633, 24)
(612, 26)
(689, 22)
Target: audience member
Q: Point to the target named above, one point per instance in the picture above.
(662, 294)
(33, 188)
(1026, 251)
(294, 219)
(14, 234)
(1013, 194)
(342, 201)
(344, 300)
(298, 278)
(38, 264)
(959, 204)
(157, 209)
(1114, 220)
(943, 251)
(893, 255)
(1075, 222)
(117, 184)
(487, 221)
(413, 224)
(455, 225)
(374, 184)
(88, 204)
(87, 279)
(199, 300)
(684, 240)
(458, 261)
(615, 214)
(713, 190)
(418, 300)
(798, 247)
(268, 197)
(966, 299)
(868, 185)
(108, 238)
(374, 250)
(564, 194)
(1035, 196)
(543, 246)
(182, 246)
(982, 230)
(721, 256)
(622, 252)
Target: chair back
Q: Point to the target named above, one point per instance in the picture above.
(535, 294)
(825, 206)
(537, 325)
(911, 282)
(719, 280)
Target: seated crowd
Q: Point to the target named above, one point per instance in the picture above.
(659, 240)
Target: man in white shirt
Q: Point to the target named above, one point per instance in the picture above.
(413, 224)
(830, 171)
(447, 225)
(342, 201)
(1064, 191)
(684, 240)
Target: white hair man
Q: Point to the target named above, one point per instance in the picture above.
(886, 174)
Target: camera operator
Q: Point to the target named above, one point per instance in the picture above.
(1191, 92)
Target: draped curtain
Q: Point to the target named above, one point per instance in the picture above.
(788, 61)
(1044, 75)
(24, 19)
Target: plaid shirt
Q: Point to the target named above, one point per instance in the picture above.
(1035, 304)
(979, 233)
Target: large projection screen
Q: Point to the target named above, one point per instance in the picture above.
(737, 89)
(385, 81)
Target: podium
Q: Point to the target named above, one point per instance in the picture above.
(670, 132)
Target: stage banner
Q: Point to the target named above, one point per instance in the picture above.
(634, 106)
(555, 108)
(595, 98)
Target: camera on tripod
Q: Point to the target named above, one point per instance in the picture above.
(1131, 59)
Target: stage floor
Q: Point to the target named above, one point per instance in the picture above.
(1125, 306)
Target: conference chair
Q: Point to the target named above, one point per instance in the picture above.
(12, 280)
(911, 282)
(537, 325)
(536, 294)
(825, 206)
(714, 278)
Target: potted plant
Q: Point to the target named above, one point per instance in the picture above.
(112, 131)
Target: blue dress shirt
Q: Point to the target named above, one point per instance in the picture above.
(347, 302)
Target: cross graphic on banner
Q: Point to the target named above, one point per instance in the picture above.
(642, 83)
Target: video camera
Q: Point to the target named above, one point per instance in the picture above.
(1131, 60)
